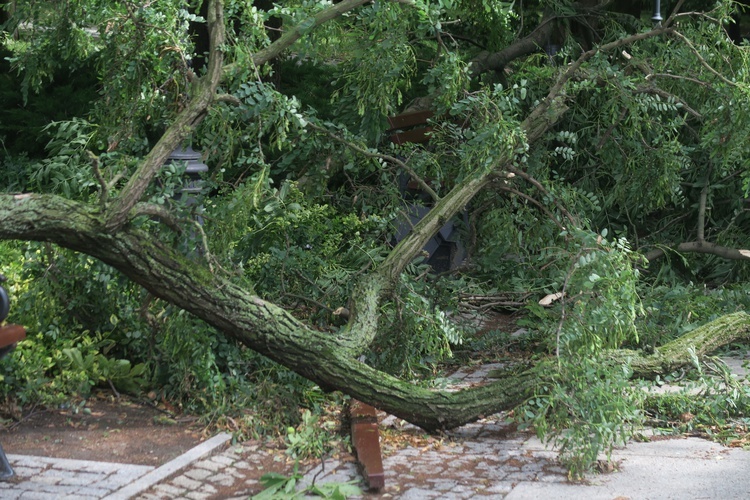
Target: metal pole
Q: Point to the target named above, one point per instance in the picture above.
(657, 14)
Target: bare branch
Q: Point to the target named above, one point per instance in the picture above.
(674, 13)
(611, 128)
(204, 242)
(703, 247)
(103, 187)
(573, 68)
(701, 230)
(678, 77)
(533, 42)
(544, 191)
(153, 210)
(228, 98)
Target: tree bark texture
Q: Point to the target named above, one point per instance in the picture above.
(327, 359)
(678, 353)
(258, 324)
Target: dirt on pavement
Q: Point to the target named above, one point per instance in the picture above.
(104, 428)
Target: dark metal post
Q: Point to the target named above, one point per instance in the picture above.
(657, 14)
(191, 190)
(193, 170)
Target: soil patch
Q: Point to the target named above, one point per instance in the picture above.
(108, 430)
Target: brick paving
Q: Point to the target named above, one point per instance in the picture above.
(485, 459)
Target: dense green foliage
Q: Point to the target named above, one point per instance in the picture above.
(303, 197)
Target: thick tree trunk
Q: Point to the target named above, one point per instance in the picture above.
(326, 359)
(679, 353)
(260, 325)
(321, 357)
(272, 331)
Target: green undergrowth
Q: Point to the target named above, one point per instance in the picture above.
(706, 400)
(88, 328)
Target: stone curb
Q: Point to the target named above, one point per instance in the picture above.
(152, 478)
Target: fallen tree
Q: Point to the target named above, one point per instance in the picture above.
(105, 229)
(680, 353)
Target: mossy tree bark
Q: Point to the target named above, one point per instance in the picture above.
(680, 352)
(106, 232)
(241, 315)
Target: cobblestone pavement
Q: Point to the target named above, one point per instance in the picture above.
(486, 459)
(48, 478)
(54, 478)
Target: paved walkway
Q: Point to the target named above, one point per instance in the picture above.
(486, 459)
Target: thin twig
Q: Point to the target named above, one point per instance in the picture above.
(701, 230)
(611, 128)
(678, 77)
(544, 191)
(372, 154)
(674, 13)
(112, 386)
(703, 61)
(104, 194)
(535, 202)
(204, 243)
(162, 213)
(667, 95)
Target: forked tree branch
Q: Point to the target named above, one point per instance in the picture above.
(180, 129)
(205, 96)
(286, 40)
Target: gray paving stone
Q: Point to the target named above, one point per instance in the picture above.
(79, 478)
(186, 483)
(28, 461)
(41, 487)
(207, 488)
(521, 476)
(222, 460)
(467, 468)
(209, 465)
(94, 492)
(169, 489)
(232, 471)
(36, 495)
(26, 471)
(126, 476)
(84, 465)
(47, 478)
(502, 488)
(58, 489)
(419, 494)
(443, 484)
(222, 479)
(430, 468)
(198, 474)
(197, 495)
